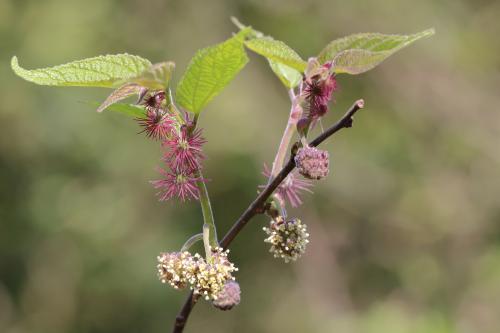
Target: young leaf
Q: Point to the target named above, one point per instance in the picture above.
(123, 92)
(277, 51)
(210, 70)
(102, 71)
(157, 77)
(131, 110)
(359, 53)
(288, 76)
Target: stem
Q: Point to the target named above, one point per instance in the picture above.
(190, 242)
(257, 205)
(206, 242)
(295, 114)
(206, 208)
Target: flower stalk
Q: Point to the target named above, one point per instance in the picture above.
(295, 114)
(208, 216)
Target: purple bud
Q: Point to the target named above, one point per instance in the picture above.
(228, 297)
(312, 163)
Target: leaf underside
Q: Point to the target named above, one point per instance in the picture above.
(209, 71)
(356, 54)
(119, 94)
(103, 71)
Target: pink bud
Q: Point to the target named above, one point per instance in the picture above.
(228, 297)
(312, 163)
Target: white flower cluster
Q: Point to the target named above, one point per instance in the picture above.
(205, 277)
(288, 239)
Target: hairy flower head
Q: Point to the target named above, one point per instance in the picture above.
(181, 184)
(156, 123)
(318, 91)
(184, 149)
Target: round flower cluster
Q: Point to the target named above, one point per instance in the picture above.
(312, 163)
(212, 276)
(206, 278)
(229, 297)
(177, 268)
(288, 239)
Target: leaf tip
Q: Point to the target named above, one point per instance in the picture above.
(14, 64)
(237, 23)
(429, 32)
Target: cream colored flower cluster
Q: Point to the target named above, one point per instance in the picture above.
(206, 277)
(288, 239)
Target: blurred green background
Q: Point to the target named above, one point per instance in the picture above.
(405, 232)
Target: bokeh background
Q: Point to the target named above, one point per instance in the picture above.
(405, 232)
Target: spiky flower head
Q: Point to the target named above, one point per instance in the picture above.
(177, 268)
(156, 123)
(290, 188)
(213, 274)
(180, 183)
(312, 162)
(229, 297)
(288, 238)
(318, 90)
(184, 149)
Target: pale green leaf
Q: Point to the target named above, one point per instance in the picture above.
(210, 70)
(157, 77)
(277, 51)
(359, 53)
(288, 76)
(102, 71)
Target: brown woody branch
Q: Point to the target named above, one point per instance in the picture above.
(259, 202)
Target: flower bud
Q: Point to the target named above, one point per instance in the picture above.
(312, 163)
(288, 239)
(228, 297)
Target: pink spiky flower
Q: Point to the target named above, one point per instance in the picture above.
(185, 149)
(290, 188)
(156, 124)
(318, 92)
(180, 184)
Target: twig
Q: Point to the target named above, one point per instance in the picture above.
(256, 206)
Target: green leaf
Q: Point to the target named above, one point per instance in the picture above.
(277, 51)
(288, 76)
(102, 71)
(359, 53)
(210, 70)
(131, 110)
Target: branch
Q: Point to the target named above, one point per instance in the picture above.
(256, 206)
